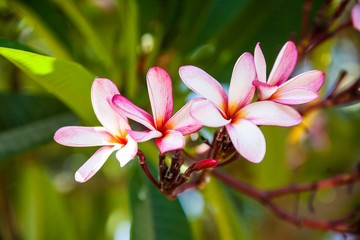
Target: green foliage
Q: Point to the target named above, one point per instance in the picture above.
(28, 121)
(43, 212)
(154, 216)
(68, 81)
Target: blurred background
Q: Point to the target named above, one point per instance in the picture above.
(121, 40)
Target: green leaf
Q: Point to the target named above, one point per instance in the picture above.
(83, 26)
(154, 216)
(28, 121)
(41, 27)
(128, 12)
(228, 224)
(43, 213)
(15, 45)
(68, 81)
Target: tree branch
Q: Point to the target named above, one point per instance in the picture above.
(266, 198)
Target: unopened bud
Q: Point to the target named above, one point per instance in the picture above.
(203, 164)
(207, 163)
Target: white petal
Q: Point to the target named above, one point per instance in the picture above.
(312, 80)
(142, 136)
(206, 86)
(208, 114)
(172, 140)
(130, 110)
(270, 113)
(160, 93)
(265, 91)
(284, 64)
(91, 166)
(182, 120)
(127, 152)
(241, 90)
(294, 96)
(84, 136)
(247, 139)
(102, 92)
(260, 64)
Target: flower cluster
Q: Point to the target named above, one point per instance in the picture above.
(236, 111)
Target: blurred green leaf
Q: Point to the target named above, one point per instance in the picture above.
(68, 81)
(15, 45)
(273, 171)
(220, 14)
(44, 27)
(28, 121)
(154, 216)
(70, 8)
(128, 12)
(43, 212)
(228, 225)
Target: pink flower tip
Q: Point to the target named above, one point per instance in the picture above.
(355, 17)
(80, 178)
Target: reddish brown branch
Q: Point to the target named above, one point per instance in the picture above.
(342, 179)
(230, 160)
(305, 17)
(265, 197)
(143, 164)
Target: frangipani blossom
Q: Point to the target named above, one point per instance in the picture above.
(168, 129)
(112, 135)
(235, 111)
(300, 89)
(355, 16)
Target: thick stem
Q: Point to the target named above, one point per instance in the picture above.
(162, 167)
(143, 164)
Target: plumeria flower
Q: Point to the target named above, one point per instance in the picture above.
(300, 89)
(235, 111)
(112, 135)
(355, 16)
(168, 129)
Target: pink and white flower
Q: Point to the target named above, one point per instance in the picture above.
(355, 16)
(235, 111)
(300, 89)
(168, 129)
(112, 136)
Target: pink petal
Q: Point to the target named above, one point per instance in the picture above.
(312, 80)
(247, 139)
(130, 110)
(127, 152)
(355, 17)
(84, 136)
(270, 113)
(160, 93)
(91, 166)
(204, 85)
(208, 114)
(142, 136)
(102, 91)
(172, 140)
(284, 64)
(294, 96)
(241, 90)
(264, 90)
(182, 120)
(260, 64)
